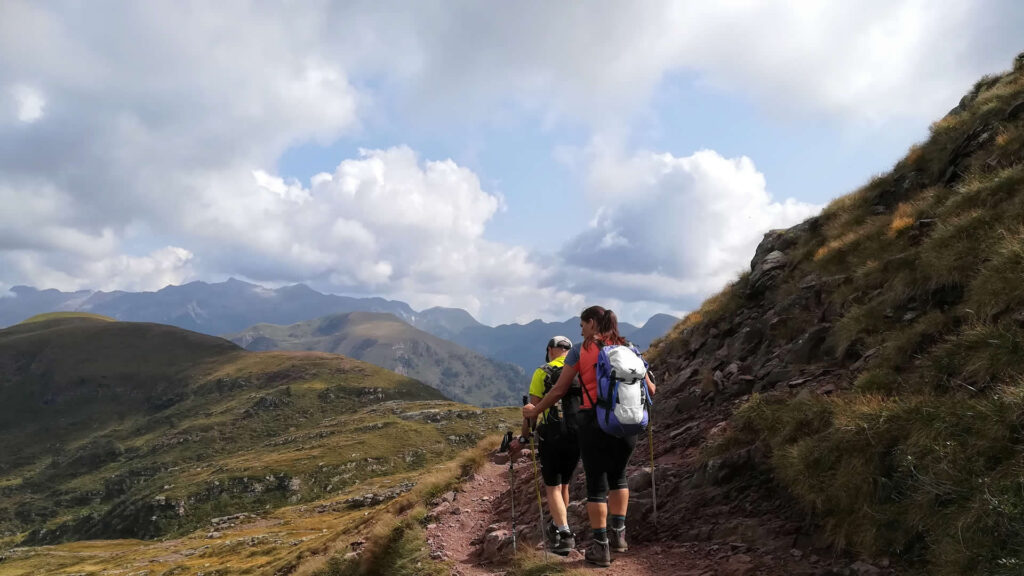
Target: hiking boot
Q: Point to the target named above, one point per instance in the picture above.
(566, 542)
(599, 553)
(617, 539)
(551, 535)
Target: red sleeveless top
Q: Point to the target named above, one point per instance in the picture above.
(588, 373)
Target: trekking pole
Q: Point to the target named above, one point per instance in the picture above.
(505, 443)
(536, 485)
(512, 480)
(654, 493)
(650, 442)
(540, 503)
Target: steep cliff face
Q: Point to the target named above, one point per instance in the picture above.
(869, 364)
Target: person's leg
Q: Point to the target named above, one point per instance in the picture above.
(548, 457)
(556, 504)
(618, 501)
(594, 451)
(618, 496)
(571, 459)
(566, 540)
(599, 551)
(619, 450)
(597, 513)
(568, 457)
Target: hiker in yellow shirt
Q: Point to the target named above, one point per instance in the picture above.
(558, 447)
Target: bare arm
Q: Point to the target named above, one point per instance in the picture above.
(530, 423)
(650, 385)
(553, 395)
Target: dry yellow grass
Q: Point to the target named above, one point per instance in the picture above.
(903, 218)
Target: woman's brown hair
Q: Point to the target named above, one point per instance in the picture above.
(607, 326)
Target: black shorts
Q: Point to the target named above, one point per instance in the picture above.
(604, 457)
(558, 459)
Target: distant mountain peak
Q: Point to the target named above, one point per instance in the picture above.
(235, 282)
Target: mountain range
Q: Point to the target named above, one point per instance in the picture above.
(232, 306)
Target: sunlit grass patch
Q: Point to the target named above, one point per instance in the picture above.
(66, 315)
(902, 218)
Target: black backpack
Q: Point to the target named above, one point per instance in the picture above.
(561, 418)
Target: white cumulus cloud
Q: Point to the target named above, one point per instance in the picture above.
(670, 229)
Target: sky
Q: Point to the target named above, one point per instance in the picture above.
(519, 160)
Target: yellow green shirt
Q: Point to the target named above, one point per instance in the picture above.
(537, 383)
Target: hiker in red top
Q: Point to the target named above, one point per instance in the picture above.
(604, 456)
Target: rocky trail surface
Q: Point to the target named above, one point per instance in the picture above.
(720, 533)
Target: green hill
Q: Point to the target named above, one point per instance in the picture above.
(131, 430)
(65, 315)
(883, 345)
(384, 340)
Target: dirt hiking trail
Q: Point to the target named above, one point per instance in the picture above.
(472, 528)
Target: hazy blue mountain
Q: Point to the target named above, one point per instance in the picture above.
(387, 341)
(210, 308)
(655, 327)
(523, 344)
(444, 322)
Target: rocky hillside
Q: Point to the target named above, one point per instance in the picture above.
(126, 430)
(386, 341)
(870, 363)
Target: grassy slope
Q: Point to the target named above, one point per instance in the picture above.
(920, 453)
(159, 429)
(384, 340)
(302, 540)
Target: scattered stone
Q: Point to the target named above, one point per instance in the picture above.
(440, 510)
(375, 498)
(496, 544)
(765, 272)
(228, 521)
